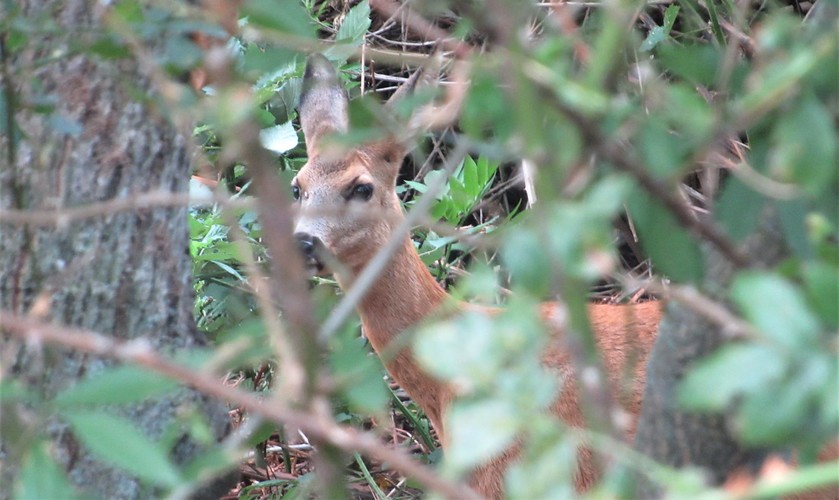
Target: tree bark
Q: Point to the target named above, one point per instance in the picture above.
(677, 437)
(124, 274)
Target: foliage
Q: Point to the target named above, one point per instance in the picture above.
(618, 118)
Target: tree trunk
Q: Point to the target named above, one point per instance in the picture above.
(124, 274)
(680, 438)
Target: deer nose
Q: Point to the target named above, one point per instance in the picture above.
(306, 244)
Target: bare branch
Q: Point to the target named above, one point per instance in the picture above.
(421, 26)
(61, 217)
(140, 352)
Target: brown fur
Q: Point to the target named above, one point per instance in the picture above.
(405, 292)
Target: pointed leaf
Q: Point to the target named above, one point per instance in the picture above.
(117, 441)
(42, 478)
(118, 385)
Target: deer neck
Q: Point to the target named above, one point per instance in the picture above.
(403, 295)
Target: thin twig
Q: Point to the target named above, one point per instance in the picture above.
(61, 217)
(422, 27)
(140, 352)
(618, 155)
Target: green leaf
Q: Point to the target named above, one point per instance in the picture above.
(776, 307)
(821, 281)
(673, 251)
(479, 431)
(355, 24)
(358, 374)
(806, 146)
(279, 139)
(697, 64)
(793, 214)
(117, 385)
(660, 33)
(41, 478)
(450, 350)
(286, 16)
(739, 208)
(117, 441)
(661, 149)
(269, 63)
(772, 417)
(730, 371)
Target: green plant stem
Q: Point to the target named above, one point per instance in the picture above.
(377, 492)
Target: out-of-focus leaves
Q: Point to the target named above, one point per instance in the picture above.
(355, 25)
(776, 307)
(40, 477)
(695, 63)
(739, 208)
(479, 431)
(731, 371)
(821, 281)
(805, 151)
(660, 33)
(279, 138)
(673, 251)
(118, 441)
(285, 16)
(358, 374)
(117, 385)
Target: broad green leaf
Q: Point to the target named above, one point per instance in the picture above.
(608, 196)
(821, 281)
(806, 149)
(661, 149)
(739, 208)
(285, 16)
(358, 374)
(772, 417)
(689, 114)
(793, 214)
(451, 350)
(548, 467)
(479, 431)
(269, 63)
(673, 251)
(116, 385)
(776, 307)
(355, 24)
(41, 478)
(697, 64)
(524, 255)
(117, 441)
(279, 139)
(732, 370)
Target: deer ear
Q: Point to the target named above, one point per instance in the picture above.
(394, 148)
(323, 103)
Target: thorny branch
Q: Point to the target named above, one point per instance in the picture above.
(139, 352)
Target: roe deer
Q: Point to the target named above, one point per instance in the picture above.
(348, 205)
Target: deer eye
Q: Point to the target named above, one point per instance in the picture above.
(295, 192)
(361, 192)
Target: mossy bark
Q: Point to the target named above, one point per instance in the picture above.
(126, 274)
(670, 434)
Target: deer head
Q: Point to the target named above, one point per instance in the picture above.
(347, 200)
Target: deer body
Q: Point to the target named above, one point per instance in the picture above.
(357, 189)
